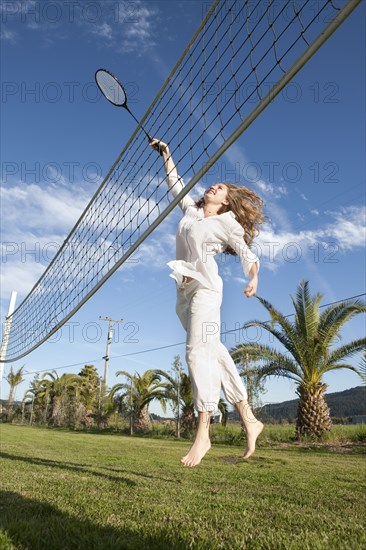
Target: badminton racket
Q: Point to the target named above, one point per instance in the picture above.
(113, 90)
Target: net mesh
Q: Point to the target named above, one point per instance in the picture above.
(240, 51)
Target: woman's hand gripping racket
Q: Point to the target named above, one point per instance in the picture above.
(113, 90)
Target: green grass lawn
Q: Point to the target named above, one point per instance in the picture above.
(71, 490)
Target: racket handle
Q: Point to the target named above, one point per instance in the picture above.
(158, 148)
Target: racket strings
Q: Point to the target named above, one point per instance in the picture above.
(240, 52)
(111, 88)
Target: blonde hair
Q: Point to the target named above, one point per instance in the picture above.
(247, 207)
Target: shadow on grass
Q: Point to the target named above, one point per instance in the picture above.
(139, 474)
(253, 460)
(36, 525)
(81, 468)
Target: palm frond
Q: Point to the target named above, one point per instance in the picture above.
(276, 368)
(362, 369)
(52, 374)
(124, 373)
(288, 337)
(170, 378)
(342, 366)
(306, 311)
(347, 350)
(335, 316)
(117, 388)
(274, 363)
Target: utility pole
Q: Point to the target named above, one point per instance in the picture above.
(178, 423)
(106, 357)
(249, 379)
(131, 409)
(176, 369)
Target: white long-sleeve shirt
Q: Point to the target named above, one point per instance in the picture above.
(199, 239)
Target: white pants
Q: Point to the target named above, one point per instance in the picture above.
(210, 365)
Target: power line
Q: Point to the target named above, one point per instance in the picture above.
(66, 366)
(180, 343)
(228, 331)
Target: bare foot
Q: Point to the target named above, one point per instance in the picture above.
(196, 453)
(252, 433)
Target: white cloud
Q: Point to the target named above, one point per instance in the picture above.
(125, 26)
(271, 190)
(347, 232)
(103, 31)
(303, 197)
(155, 253)
(349, 228)
(8, 36)
(20, 277)
(42, 208)
(140, 24)
(134, 27)
(35, 221)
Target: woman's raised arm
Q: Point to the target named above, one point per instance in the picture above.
(174, 181)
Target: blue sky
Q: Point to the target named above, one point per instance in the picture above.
(305, 155)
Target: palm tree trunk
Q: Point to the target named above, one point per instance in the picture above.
(45, 415)
(11, 396)
(313, 415)
(32, 412)
(56, 411)
(143, 422)
(188, 418)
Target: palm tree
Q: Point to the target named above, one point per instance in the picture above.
(253, 381)
(186, 396)
(173, 390)
(57, 392)
(138, 393)
(187, 417)
(308, 342)
(90, 384)
(32, 398)
(224, 410)
(28, 399)
(14, 379)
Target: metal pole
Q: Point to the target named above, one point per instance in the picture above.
(106, 357)
(131, 409)
(6, 333)
(178, 424)
(249, 381)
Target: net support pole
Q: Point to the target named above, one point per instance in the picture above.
(7, 325)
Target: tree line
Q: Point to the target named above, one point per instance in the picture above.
(310, 350)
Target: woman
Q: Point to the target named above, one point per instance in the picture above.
(216, 223)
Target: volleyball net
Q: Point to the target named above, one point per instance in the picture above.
(242, 55)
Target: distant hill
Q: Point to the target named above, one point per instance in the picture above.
(345, 403)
